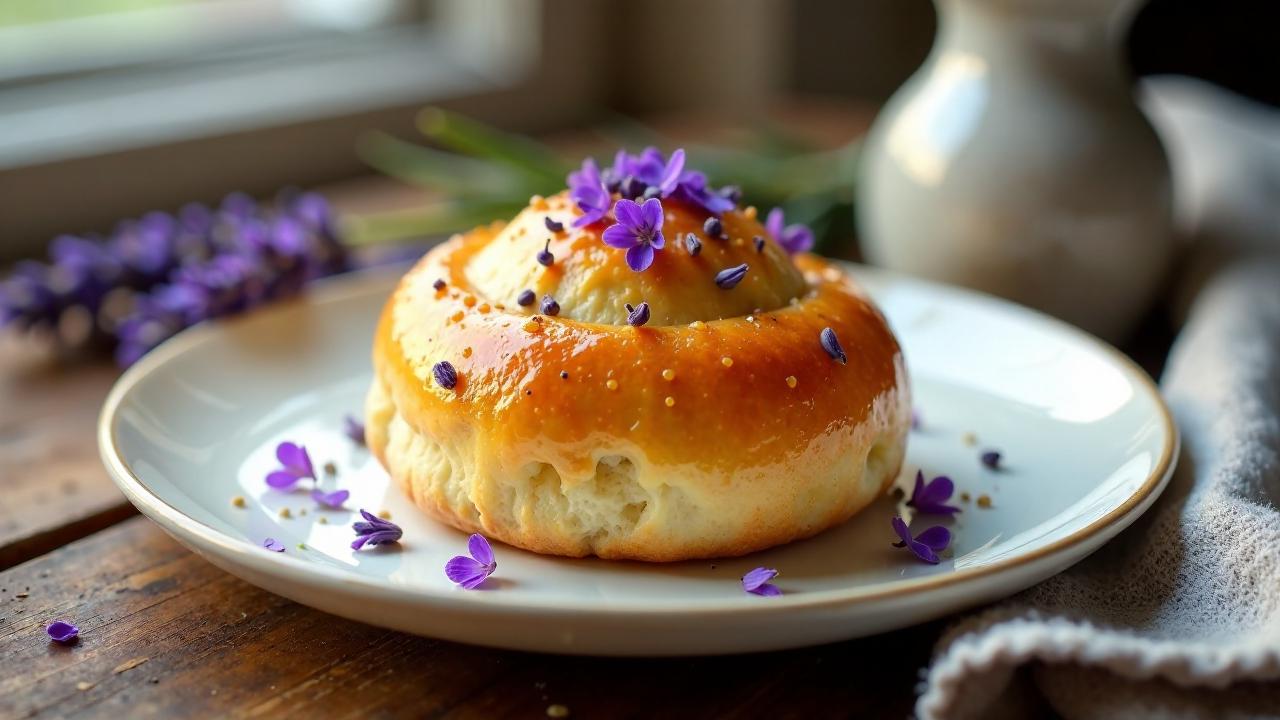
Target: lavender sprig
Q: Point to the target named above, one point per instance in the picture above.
(161, 273)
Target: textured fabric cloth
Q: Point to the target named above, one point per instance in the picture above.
(1174, 617)
(1179, 616)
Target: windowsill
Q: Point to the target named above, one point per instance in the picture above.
(96, 115)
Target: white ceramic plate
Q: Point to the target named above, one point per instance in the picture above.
(1088, 446)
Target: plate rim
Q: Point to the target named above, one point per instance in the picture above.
(337, 288)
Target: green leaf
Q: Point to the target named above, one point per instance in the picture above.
(416, 223)
(443, 171)
(461, 134)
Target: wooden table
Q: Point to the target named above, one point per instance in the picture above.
(166, 634)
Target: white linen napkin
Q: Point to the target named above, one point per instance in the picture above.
(1179, 616)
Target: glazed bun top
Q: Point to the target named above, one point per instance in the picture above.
(707, 259)
(536, 360)
(592, 281)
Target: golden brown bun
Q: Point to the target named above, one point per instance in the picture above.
(720, 428)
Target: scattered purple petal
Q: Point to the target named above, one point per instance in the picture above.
(729, 278)
(445, 375)
(273, 545)
(554, 226)
(471, 572)
(793, 238)
(991, 459)
(587, 190)
(931, 498)
(353, 429)
(693, 189)
(638, 315)
(333, 500)
(692, 244)
(832, 345)
(61, 631)
(926, 545)
(757, 582)
(295, 464)
(375, 531)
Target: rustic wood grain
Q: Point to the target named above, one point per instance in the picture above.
(53, 488)
(165, 634)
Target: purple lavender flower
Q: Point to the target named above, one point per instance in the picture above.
(587, 190)
(712, 227)
(375, 531)
(991, 459)
(926, 545)
(353, 429)
(61, 631)
(445, 375)
(295, 464)
(638, 315)
(170, 272)
(273, 545)
(471, 572)
(693, 189)
(638, 231)
(330, 500)
(637, 175)
(649, 170)
(830, 343)
(793, 238)
(729, 278)
(757, 582)
(545, 258)
(930, 498)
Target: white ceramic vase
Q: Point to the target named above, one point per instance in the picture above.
(1015, 161)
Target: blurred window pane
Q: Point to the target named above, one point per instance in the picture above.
(49, 38)
(82, 78)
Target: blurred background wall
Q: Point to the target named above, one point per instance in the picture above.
(109, 108)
